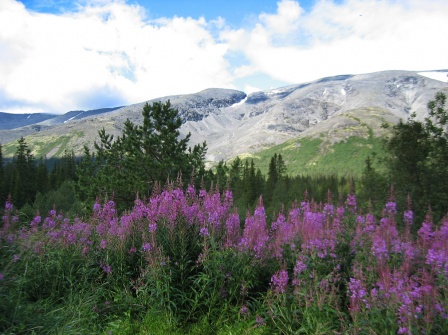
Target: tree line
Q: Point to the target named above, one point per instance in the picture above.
(144, 157)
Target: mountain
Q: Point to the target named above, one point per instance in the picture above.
(11, 121)
(232, 123)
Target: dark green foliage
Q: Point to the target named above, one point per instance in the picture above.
(42, 176)
(64, 169)
(277, 190)
(142, 156)
(63, 198)
(2, 180)
(275, 184)
(23, 185)
(373, 187)
(418, 160)
(221, 174)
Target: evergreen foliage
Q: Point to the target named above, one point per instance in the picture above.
(417, 160)
(2, 179)
(23, 182)
(141, 157)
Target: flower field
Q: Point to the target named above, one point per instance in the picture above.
(183, 262)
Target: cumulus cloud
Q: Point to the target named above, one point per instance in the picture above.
(355, 36)
(104, 53)
(108, 50)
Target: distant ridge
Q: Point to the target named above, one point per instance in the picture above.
(233, 123)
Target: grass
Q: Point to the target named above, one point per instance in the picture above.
(338, 147)
(52, 146)
(316, 157)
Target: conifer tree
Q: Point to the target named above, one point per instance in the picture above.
(3, 194)
(142, 156)
(42, 176)
(277, 170)
(418, 160)
(24, 185)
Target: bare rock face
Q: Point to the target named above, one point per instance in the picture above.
(271, 117)
(235, 124)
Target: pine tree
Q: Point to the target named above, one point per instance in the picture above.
(142, 156)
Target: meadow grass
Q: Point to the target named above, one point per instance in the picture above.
(316, 157)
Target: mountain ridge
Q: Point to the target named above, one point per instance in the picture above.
(233, 123)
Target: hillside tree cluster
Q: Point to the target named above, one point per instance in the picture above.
(414, 171)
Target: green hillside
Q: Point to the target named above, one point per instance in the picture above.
(50, 145)
(306, 156)
(337, 146)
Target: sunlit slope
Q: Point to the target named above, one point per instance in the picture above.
(338, 146)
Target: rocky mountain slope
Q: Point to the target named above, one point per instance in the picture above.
(232, 123)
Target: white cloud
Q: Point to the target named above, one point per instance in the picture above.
(109, 53)
(286, 19)
(356, 36)
(59, 62)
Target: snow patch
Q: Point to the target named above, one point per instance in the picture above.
(239, 103)
(437, 75)
(275, 91)
(73, 117)
(343, 91)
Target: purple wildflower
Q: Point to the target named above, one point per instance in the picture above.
(8, 206)
(279, 281)
(204, 232)
(408, 217)
(152, 227)
(356, 289)
(391, 207)
(379, 248)
(96, 207)
(404, 330)
(106, 268)
(147, 247)
(299, 268)
(351, 202)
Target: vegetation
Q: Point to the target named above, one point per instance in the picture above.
(315, 157)
(181, 262)
(232, 250)
(144, 155)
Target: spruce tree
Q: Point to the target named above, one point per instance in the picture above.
(142, 156)
(24, 185)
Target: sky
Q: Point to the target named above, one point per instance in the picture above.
(61, 55)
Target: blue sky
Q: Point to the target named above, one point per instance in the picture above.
(61, 55)
(234, 11)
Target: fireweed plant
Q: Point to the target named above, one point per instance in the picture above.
(182, 259)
